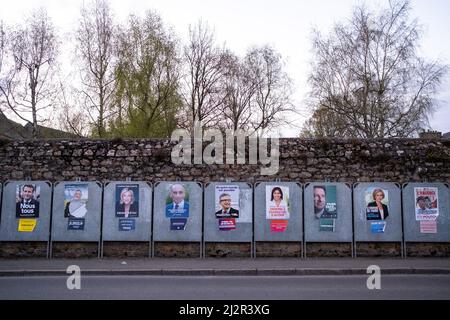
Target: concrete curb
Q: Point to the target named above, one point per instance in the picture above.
(224, 272)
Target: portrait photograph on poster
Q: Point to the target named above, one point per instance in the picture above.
(177, 201)
(27, 201)
(75, 199)
(177, 206)
(277, 202)
(227, 201)
(127, 200)
(426, 203)
(377, 203)
(325, 206)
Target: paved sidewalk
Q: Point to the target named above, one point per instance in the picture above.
(224, 266)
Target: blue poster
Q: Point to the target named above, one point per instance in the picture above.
(178, 223)
(76, 224)
(177, 201)
(127, 224)
(378, 227)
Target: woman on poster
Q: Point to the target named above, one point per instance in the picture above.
(278, 208)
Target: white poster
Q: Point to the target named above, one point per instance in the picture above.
(426, 203)
(277, 202)
(227, 201)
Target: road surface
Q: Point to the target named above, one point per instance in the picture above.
(226, 287)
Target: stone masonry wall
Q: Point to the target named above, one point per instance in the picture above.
(301, 160)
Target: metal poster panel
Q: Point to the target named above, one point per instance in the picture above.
(228, 212)
(377, 211)
(25, 214)
(127, 210)
(426, 212)
(178, 211)
(278, 211)
(328, 212)
(76, 197)
(76, 211)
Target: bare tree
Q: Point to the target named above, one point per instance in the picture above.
(239, 89)
(367, 79)
(2, 54)
(2, 45)
(325, 124)
(28, 86)
(257, 91)
(71, 119)
(203, 60)
(95, 42)
(273, 89)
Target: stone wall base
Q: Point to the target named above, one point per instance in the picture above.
(19, 249)
(228, 249)
(177, 249)
(74, 250)
(324, 249)
(116, 249)
(278, 249)
(428, 249)
(378, 249)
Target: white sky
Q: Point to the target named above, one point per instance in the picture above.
(285, 24)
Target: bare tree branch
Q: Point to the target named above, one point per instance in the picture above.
(367, 80)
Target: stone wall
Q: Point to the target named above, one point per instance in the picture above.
(228, 250)
(113, 249)
(177, 249)
(278, 249)
(17, 249)
(301, 160)
(74, 249)
(331, 249)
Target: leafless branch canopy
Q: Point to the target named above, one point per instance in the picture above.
(367, 80)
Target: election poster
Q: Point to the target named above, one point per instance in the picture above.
(27, 201)
(127, 200)
(76, 197)
(377, 203)
(277, 202)
(426, 203)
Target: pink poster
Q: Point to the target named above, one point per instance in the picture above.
(226, 224)
(278, 225)
(428, 226)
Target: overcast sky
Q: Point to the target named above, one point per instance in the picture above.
(285, 24)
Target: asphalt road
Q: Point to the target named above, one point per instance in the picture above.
(226, 287)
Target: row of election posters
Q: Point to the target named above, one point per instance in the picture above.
(227, 206)
(425, 204)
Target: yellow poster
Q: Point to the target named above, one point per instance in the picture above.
(27, 225)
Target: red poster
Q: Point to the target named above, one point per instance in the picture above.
(278, 225)
(226, 224)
